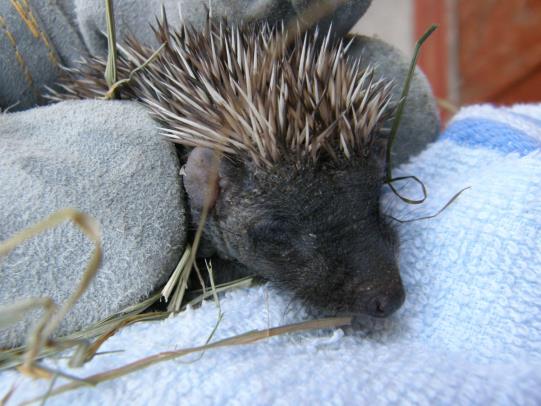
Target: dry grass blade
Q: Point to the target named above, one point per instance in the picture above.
(51, 320)
(243, 339)
(213, 286)
(7, 396)
(111, 68)
(85, 353)
(130, 315)
(49, 389)
(238, 284)
(81, 340)
(396, 124)
(407, 199)
(431, 216)
(218, 307)
(394, 131)
(177, 276)
(181, 275)
(118, 84)
(404, 96)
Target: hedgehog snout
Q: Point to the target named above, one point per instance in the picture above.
(382, 302)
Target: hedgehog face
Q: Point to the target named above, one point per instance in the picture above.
(303, 131)
(315, 231)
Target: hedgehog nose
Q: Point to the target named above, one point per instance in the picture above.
(386, 303)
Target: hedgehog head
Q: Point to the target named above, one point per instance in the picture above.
(301, 135)
(286, 141)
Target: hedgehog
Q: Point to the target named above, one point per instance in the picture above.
(284, 141)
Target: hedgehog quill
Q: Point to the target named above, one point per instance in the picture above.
(302, 134)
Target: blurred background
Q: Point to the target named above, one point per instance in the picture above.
(483, 51)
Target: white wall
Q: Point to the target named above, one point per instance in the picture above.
(391, 21)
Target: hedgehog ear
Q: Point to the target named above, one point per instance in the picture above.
(378, 151)
(201, 177)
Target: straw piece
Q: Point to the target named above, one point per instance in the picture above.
(51, 320)
(243, 339)
(111, 68)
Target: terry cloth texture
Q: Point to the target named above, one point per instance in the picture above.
(105, 159)
(469, 332)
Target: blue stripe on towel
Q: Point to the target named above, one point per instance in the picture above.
(479, 132)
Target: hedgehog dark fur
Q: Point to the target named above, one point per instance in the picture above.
(293, 195)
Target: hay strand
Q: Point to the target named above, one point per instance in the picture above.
(243, 339)
(50, 321)
(111, 67)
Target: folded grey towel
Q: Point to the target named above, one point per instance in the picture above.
(105, 159)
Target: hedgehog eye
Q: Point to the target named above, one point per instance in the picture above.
(276, 231)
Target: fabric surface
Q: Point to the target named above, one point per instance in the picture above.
(469, 332)
(105, 159)
(35, 37)
(133, 16)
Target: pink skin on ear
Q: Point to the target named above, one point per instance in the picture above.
(201, 179)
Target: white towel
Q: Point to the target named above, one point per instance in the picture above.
(468, 333)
